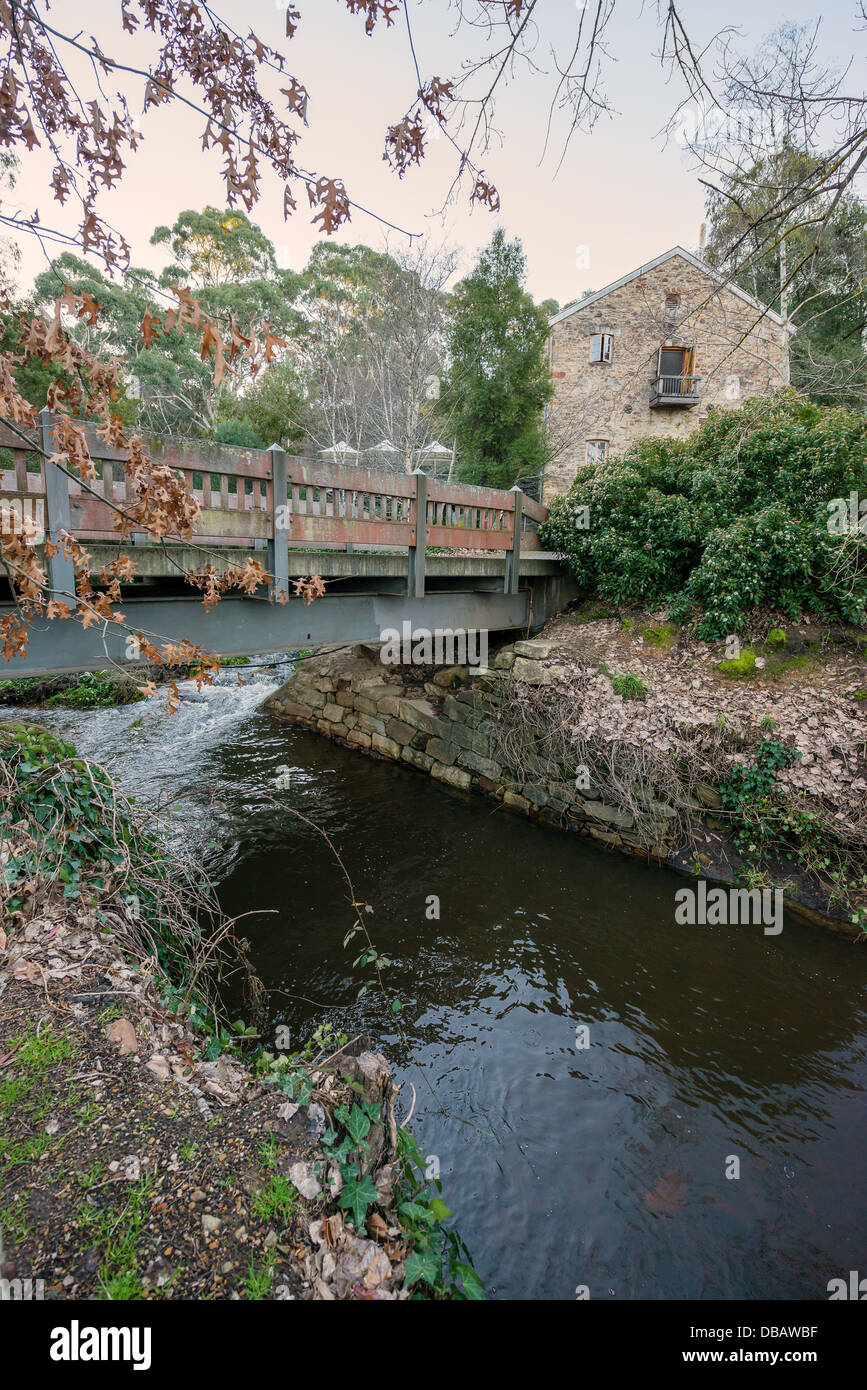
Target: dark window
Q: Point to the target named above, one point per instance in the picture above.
(671, 361)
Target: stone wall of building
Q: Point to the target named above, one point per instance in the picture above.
(737, 354)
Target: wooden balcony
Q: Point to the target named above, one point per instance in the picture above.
(674, 390)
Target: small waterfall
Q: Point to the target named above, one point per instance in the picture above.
(151, 752)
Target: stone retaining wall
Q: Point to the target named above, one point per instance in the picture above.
(444, 726)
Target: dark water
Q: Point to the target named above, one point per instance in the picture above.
(564, 1166)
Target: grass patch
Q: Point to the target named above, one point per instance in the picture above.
(28, 1095)
(15, 692)
(258, 1280)
(15, 1220)
(781, 666)
(661, 636)
(276, 1201)
(592, 612)
(117, 1235)
(96, 690)
(628, 686)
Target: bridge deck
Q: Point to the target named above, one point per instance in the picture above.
(378, 538)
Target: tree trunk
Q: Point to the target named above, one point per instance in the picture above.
(784, 309)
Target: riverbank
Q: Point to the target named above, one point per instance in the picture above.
(636, 735)
(89, 690)
(149, 1146)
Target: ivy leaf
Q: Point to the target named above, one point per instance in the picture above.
(439, 1209)
(416, 1214)
(427, 1267)
(357, 1124)
(356, 1197)
(474, 1289)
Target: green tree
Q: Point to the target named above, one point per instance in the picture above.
(232, 266)
(497, 382)
(820, 290)
(274, 409)
(216, 247)
(171, 384)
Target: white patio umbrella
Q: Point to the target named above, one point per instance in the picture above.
(340, 450)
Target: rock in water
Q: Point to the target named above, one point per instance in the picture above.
(666, 1198)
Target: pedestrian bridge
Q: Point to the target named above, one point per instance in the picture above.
(393, 548)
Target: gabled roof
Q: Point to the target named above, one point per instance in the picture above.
(651, 265)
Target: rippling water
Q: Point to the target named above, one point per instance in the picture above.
(564, 1166)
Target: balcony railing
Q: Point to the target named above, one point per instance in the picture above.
(674, 390)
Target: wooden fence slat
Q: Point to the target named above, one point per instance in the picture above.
(327, 504)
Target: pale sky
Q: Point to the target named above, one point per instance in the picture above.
(620, 198)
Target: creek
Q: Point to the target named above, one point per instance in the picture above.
(564, 1165)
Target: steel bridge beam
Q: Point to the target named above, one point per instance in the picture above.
(242, 626)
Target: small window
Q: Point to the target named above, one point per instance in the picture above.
(596, 450)
(600, 347)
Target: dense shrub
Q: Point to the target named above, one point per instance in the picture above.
(239, 432)
(731, 517)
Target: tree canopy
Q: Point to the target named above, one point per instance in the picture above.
(497, 382)
(820, 288)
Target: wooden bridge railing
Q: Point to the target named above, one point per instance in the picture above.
(256, 498)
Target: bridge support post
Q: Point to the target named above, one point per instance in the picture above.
(513, 556)
(278, 546)
(61, 571)
(415, 574)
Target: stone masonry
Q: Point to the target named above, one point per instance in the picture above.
(445, 729)
(737, 353)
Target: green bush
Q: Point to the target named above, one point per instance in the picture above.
(97, 690)
(241, 433)
(65, 823)
(733, 516)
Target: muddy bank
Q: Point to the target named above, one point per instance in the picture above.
(641, 757)
(134, 1171)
